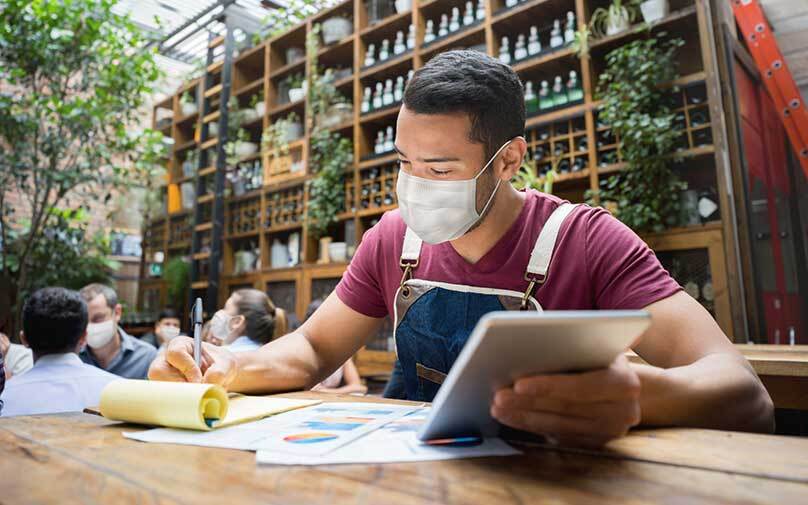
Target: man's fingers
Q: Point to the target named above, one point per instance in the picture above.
(180, 358)
(613, 383)
(543, 422)
(508, 399)
(165, 372)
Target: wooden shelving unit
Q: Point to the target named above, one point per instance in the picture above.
(572, 129)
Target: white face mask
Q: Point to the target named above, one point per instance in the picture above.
(100, 334)
(220, 325)
(169, 332)
(440, 211)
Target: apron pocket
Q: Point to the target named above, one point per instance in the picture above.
(429, 381)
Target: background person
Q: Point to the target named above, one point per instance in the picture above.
(166, 327)
(247, 321)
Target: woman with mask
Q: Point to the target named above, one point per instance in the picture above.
(248, 320)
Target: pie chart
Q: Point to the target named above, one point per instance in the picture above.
(310, 438)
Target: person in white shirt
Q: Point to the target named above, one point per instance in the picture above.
(54, 327)
(17, 358)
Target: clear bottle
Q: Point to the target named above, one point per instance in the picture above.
(389, 140)
(378, 97)
(378, 148)
(545, 98)
(479, 13)
(429, 34)
(505, 51)
(519, 50)
(387, 96)
(370, 55)
(443, 27)
(411, 37)
(398, 91)
(454, 24)
(468, 14)
(556, 39)
(399, 46)
(569, 28)
(531, 100)
(367, 97)
(533, 42)
(384, 52)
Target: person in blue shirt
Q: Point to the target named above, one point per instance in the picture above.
(108, 346)
(54, 322)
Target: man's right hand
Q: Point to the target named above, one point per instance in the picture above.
(218, 365)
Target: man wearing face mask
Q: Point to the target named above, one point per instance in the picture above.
(465, 242)
(108, 346)
(166, 328)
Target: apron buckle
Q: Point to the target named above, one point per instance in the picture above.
(533, 279)
(408, 266)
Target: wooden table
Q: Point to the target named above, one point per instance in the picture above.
(81, 458)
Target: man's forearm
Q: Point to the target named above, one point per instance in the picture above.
(287, 364)
(717, 391)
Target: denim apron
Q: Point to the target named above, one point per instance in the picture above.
(433, 320)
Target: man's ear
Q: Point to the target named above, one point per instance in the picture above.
(82, 342)
(117, 312)
(512, 157)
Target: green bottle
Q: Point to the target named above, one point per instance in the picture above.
(545, 100)
(574, 91)
(531, 100)
(559, 93)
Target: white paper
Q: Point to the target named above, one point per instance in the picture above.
(309, 431)
(396, 442)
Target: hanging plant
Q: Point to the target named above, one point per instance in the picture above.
(330, 154)
(614, 19)
(580, 43)
(645, 194)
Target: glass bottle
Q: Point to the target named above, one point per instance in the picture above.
(533, 42)
(569, 29)
(559, 93)
(468, 14)
(545, 99)
(520, 51)
(505, 51)
(556, 40)
(367, 96)
(531, 100)
(574, 91)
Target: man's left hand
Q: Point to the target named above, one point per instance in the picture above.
(577, 409)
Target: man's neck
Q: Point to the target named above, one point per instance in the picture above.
(105, 355)
(505, 210)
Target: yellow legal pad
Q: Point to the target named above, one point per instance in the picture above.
(188, 406)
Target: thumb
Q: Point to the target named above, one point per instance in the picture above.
(221, 371)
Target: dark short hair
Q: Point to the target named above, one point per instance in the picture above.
(473, 83)
(54, 320)
(167, 313)
(90, 291)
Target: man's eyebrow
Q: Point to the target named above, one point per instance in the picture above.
(430, 160)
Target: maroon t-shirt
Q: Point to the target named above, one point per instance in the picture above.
(598, 263)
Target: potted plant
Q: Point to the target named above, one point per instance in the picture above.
(177, 276)
(614, 19)
(257, 102)
(335, 29)
(645, 195)
(297, 90)
(292, 127)
(654, 10)
(188, 104)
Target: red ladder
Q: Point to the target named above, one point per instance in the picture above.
(776, 77)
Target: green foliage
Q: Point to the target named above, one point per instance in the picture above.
(618, 10)
(274, 137)
(647, 191)
(177, 275)
(526, 178)
(294, 13)
(580, 44)
(330, 153)
(79, 73)
(235, 133)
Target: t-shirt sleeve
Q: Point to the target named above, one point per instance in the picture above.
(624, 272)
(360, 287)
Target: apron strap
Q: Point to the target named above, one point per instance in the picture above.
(410, 254)
(543, 250)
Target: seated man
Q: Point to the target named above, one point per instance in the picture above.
(166, 327)
(108, 346)
(465, 242)
(54, 322)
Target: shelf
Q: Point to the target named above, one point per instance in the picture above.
(215, 90)
(280, 109)
(336, 46)
(291, 182)
(187, 118)
(284, 228)
(342, 126)
(452, 38)
(214, 67)
(205, 199)
(510, 12)
(203, 227)
(200, 256)
(679, 230)
(259, 121)
(688, 153)
(386, 65)
(216, 42)
(382, 160)
(242, 235)
(258, 83)
(246, 54)
(377, 115)
(384, 23)
(179, 245)
(556, 115)
(541, 59)
(375, 210)
(255, 193)
(209, 143)
(207, 171)
(199, 285)
(344, 81)
(286, 69)
(186, 145)
(213, 116)
(641, 28)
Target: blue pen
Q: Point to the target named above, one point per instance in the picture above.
(455, 442)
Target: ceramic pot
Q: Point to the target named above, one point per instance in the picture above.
(296, 94)
(654, 10)
(187, 108)
(338, 251)
(617, 24)
(294, 131)
(403, 6)
(244, 149)
(336, 29)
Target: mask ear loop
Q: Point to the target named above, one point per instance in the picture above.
(499, 181)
